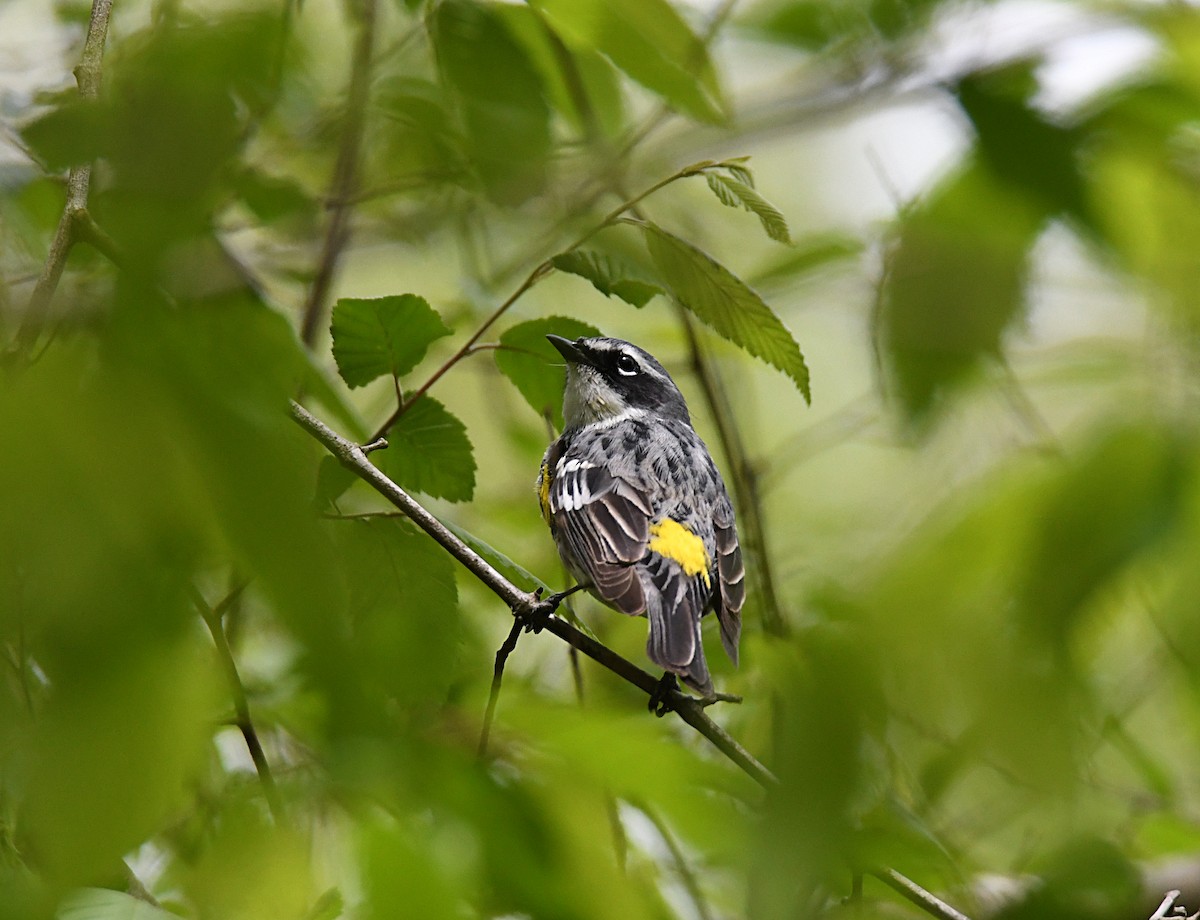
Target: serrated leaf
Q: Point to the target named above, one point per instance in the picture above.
(647, 39)
(724, 302)
(429, 451)
(534, 366)
(735, 194)
(385, 335)
(740, 173)
(608, 275)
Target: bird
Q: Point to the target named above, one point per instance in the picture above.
(638, 509)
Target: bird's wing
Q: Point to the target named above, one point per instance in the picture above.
(731, 579)
(605, 525)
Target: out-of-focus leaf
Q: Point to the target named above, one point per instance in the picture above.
(650, 42)
(527, 359)
(723, 301)
(272, 198)
(954, 285)
(329, 906)
(428, 451)
(1087, 879)
(608, 274)
(516, 573)
(417, 132)
(403, 608)
(106, 904)
(1137, 476)
(69, 134)
(808, 255)
(733, 193)
(500, 95)
(1165, 833)
(384, 335)
(1020, 147)
(579, 82)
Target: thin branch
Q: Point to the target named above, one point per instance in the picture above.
(345, 176)
(744, 479)
(528, 606)
(213, 617)
(686, 875)
(915, 894)
(539, 272)
(87, 76)
(507, 647)
(1168, 909)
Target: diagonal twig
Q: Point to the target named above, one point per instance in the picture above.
(525, 605)
(506, 648)
(213, 619)
(529, 607)
(79, 179)
(345, 176)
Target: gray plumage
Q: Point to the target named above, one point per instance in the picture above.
(637, 507)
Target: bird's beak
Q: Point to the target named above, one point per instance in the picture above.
(569, 350)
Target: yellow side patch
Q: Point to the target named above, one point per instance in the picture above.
(543, 490)
(671, 539)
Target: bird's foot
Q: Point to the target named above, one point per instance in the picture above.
(660, 699)
(539, 613)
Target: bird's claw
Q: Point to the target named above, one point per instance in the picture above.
(660, 699)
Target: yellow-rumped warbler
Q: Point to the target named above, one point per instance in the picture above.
(637, 508)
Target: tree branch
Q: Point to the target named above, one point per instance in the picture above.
(744, 479)
(213, 619)
(526, 605)
(530, 607)
(87, 76)
(915, 894)
(506, 648)
(345, 176)
(539, 272)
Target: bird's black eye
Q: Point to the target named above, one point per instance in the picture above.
(627, 366)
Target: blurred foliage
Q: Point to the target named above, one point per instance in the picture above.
(982, 534)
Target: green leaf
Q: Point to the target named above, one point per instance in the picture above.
(272, 197)
(105, 904)
(386, 335)
(516, 573)
(735, 193)
(808, 255)
(648, 40)
(500, 96)
(609, 275)
(403, 604)
(580, 83)
(429, 451)
(532, 364)
(723, 301)
(956, 282)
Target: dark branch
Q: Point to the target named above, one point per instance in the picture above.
(743, 478)
(506, 648)
(213, 619)
(527, 606)
(345, 176)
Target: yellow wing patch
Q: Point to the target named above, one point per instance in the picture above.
(543, 490)
(671, 539)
